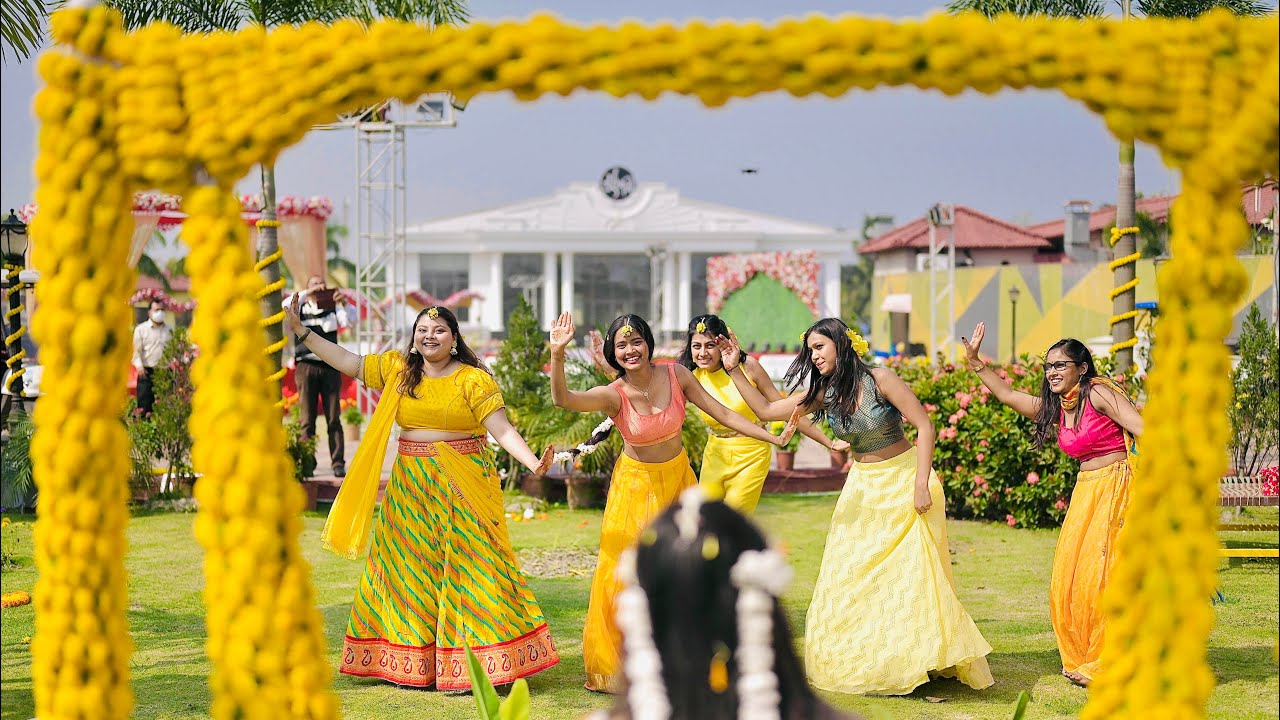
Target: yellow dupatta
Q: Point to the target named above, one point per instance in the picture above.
(347, 528)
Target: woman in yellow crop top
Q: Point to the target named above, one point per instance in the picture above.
(442, 575)
(647, 405)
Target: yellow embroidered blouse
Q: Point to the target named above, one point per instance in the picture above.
(720, 386)
(458, 402)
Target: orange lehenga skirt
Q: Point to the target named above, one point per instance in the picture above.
(638, 492)
(442, 577)
(1083, 562)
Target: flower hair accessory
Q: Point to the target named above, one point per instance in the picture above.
(646, 694)
(760, 576)
(689, 515)
(860, 345)
(626, 330)
(433, 313)
(700, 328)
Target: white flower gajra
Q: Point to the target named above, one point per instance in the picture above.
(642, 666)
(584, 448)
(760, 576)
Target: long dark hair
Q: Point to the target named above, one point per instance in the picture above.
(713, 326)
(1046, 423)
(637, 324)
(845, 379)
(414, 366)
(693, 610)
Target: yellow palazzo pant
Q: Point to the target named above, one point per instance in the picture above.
(638, 492)
(734, 469)
(1083, 562)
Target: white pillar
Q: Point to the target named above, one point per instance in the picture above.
(566, 286)
(670, 291)
(494, 321)
(831, 286)
(550, 289)
(684, 274)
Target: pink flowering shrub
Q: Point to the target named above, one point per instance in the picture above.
(985, 457)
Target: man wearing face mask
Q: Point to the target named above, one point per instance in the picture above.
(318, 382)
(149, 339)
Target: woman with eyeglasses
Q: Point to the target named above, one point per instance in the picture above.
(1094, 422)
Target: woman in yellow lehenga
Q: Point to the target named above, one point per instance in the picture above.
(884, 615)
(1094, 422)
(647, 404)
(442, 575)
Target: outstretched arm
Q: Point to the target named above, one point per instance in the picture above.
(696, 394)
(755, 372)
(1025, 405)
(765, 409)
(334, 355)
(896, 392)
(597, 399)
(500, 427)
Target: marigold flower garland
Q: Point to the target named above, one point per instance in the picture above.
(152, 109)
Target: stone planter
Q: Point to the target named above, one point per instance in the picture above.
(584, 492)
(786, 460)
(350, 432)
(312, 490)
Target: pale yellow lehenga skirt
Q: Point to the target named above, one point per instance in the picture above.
(884, 614)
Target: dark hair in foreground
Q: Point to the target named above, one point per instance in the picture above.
(845, 379)
(1046, 422)
(414, 363)
(714, 327)
(693, 610)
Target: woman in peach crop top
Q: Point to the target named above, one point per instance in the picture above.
(647, 403)
(441, 541)
(1092, 420)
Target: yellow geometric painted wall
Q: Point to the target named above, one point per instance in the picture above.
(1055, 301)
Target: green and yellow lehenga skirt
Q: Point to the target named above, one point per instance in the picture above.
(442, 576)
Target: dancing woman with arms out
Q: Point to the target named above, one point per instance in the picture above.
(442, 575)
(1093, 421)
(647, 404)
(884, 614)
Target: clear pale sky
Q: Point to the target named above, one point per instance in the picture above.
(1017, 155)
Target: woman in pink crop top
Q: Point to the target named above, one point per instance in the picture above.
(1092, 420)
(441, 540)
(647, 403)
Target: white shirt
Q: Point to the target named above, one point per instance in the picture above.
(149, 340)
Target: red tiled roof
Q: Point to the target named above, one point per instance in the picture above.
(178, 285)
(1157, 207)
(973, 230)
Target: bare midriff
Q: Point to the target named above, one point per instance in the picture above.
(428, 435)
(1101, 461)
(884, 453)
(656, 453)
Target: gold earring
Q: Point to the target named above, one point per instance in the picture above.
(718, 677)
(413, 350)
(453, 350)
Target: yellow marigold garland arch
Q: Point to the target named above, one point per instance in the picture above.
(152, 109)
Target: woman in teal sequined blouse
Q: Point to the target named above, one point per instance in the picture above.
(884, 614)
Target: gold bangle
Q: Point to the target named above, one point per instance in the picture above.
(978, 369)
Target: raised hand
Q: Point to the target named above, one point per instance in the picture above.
(562, 332)
(544, 463)
(292, 311)
(790, 429)
(974, 344)
(730, 352)
(597, 348)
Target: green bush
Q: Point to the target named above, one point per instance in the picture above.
(301, 452)
(171, 414)
(1255, 396)
(984, 455)
(17, 483)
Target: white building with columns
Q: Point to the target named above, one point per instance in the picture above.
(642, 249)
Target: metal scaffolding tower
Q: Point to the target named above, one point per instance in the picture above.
(382, 322)
(942, 302)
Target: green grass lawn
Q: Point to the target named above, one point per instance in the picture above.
(1003, 576)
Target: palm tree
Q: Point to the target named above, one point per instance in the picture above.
(22, 27)
(207, 16)
(1126, 211)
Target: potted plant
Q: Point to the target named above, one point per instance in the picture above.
(352, 419)
(786, 455)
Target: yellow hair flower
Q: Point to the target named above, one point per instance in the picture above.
(860, 345)
(433, 313)
(700, 328)
(626, 330)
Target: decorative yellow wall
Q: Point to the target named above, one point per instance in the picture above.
(1055, 301)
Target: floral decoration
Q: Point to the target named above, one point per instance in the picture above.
(797, 271)
(316, 206)
(147, 295)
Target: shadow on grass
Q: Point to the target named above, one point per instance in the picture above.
(1251, 663)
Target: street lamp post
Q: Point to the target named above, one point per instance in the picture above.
(1014, 292)
(13, 246)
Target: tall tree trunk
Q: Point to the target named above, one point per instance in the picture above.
(1126, 212)
(267, 245)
